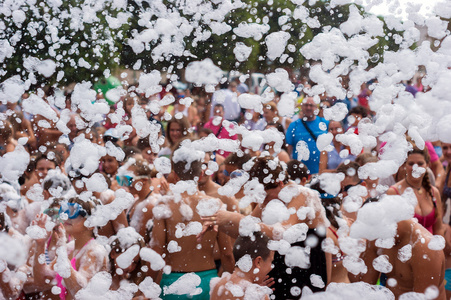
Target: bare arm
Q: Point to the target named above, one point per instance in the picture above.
(225, 248)
(371, 276)
(323, 159)
(438, 225)
(158, 244)
(438, 170)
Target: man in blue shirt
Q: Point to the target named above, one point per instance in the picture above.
(305, 131)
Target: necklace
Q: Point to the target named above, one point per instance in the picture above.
(417, 188)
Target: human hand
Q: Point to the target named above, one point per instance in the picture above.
(60, 235)
(40, 221)
(268, 281)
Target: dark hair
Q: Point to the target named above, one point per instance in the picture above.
(219, 105)
(41, 156)
(180, 167)
(426, 183)
(254, 246)
(331, 204)
(237, 161)
(131, 150)
(89, 206)
(359, 110)
(269, 172)
(297, 170)
(346, 167)
(3, 226)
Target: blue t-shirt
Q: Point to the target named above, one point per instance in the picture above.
(297, 132)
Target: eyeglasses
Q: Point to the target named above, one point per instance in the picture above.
(127, 180)
(346, 188)
(72, 210)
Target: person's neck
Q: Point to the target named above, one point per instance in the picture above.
(82, 239)
(311, 118)
(414, 182)
(337, 145)
(144, 192)
(206, 186)
(248, 276)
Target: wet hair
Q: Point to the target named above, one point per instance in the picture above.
(348, 168)
(237, 161)
(89, 206)
(359, 110)
(366, 157)
(141, 168)
(3, 225)
(297, 170)
(184, 126)
(6, 130)
(426, 183)
(56, 180)
(207, 131)
(254, 246)
(331, 204)
(268, 171)
(143, 143)
(131, 150)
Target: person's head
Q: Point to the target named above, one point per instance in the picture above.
(446, 150)
(219, 177)
(143, 144)
(416, 167)
(356, 114)
(187, 163)
(218, 110)
(297, 171)
(177, 129)
(234, 162)
(74, 213)
(335, 128)
(269, 172)
(330, 202)
(137, 177)
(43, 163)
(309, 109)
(72, 125)
(55, 184)
(256, 249)
(204, 132)
(127, 240)
(62, 150)
(6, 131)
(109, 164)
(351, 171)
(270, 112)
(129, 102)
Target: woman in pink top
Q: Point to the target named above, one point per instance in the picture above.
(219, 128)
(429, 208)
(76, 262)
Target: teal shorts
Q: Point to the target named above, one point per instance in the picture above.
(205, 277)
(448, 279)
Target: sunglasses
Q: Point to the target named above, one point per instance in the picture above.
(346, 188)
(72, 210)
(236, 173)
(127, 180)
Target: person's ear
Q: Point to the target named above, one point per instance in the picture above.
(257, 262)
(303, 181)
(363, 183)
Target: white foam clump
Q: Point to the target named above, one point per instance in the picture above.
(303, 150)
(193, 228)
(286, 105)
(85, 156)
(298, 257)
(336, 112)
(13, 164)
(12, 251)
(378, 220)
(276, 43)
(242, 51)
(382, 264)
(331, 182)
(163, 165)
(35, 105)
(317, 281)
(405, 253)
(62, 265)
(155, 259)
(245, 263)
(126, 258)
(127, 237)
(251, 30)
(355, 265)
(85, 99)
(149, 83)
(187, 284)
(203, 72)
(96, 183)
(173, 247)
(99, 288)
(114, 151)
(437, 243)
(208, 207)
(187, 154)
(36, 232)
(149, 288)
(12, 89)
(379, 169)
(212, 143)
(356, 23)
(280, 80)
(249, 101)
(108, 212)
(356, 290)
(234, 185)
(323, 142)
(296, 233)
(275, 212)
(249, 225)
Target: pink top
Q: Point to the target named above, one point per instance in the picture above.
(426, 221)
(221, 133)
(432, 153)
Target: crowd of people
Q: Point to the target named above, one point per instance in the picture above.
(190, 209)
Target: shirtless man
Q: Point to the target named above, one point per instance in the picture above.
(174, 232)
(245, 283)
(424, 269)
(288, 285)
(209, 187)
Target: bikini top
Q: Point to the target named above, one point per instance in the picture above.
(426, 221)
(340, 255)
